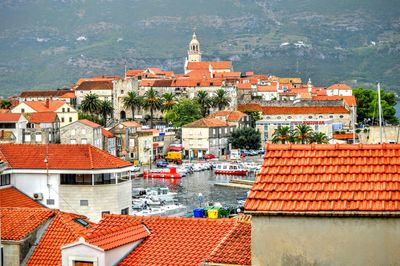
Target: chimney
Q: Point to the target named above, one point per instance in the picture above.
(47, 103)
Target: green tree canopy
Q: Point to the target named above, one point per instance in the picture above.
(105, 109)
(221, 100)
(169, 100)
(153, 102)
(184, 112)
(254, 116)
(133, 101)
(301, 134)
(90, 104)
(204, 101)
(367, 106)
(282, 135)
(5, 104)
(245, 138)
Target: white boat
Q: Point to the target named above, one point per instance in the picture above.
(230, 169)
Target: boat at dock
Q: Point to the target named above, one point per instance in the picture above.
(230, 169)
(168, 173)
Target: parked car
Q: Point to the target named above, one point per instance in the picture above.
(162, 164)
(209, 156)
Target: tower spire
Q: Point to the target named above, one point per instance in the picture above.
(194, 53)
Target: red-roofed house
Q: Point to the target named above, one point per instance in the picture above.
(42, 95)
(82, 132)
(339, 89)
(206, 135)
(326, 204)
(109, 142)
(42, 128)
(79, 178)
(11, 127)
(233, 118)
(102, 86)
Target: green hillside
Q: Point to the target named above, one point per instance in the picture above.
(49, 44)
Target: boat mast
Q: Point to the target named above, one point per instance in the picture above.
(380, 112)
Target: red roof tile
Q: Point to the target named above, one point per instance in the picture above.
(267, 88)
(9, 117)
(206, 123)
(12, 197)
(349, 100)
(244, 86)
(216, 65)
(134, 72)
(61, 231)
(231, 116)
(45, 93)
(95, 85)
(17, 223)
(60, 156)
(340, 86)
(41, 106)
(178, 241)
(44, 117)
(344, 136)
(278, 110)
(89, 123)
(315, 178)
(107, 133)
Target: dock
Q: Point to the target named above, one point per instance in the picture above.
(237, 183)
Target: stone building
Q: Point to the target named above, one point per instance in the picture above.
(326, 205)
(82, 132)
(42, 128)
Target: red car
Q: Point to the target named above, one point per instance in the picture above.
(209, 156)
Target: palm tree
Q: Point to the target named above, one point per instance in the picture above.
(220, 99)
(91, 103)
(204, 101)
(132, 101)
(5, 104)
(152, 102)
(303, 133)
(319, 138)
(105, 109)
(282, 135)
(168, 101)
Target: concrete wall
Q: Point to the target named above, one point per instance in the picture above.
(76, 132)
(288, 240)
(112, 198)
(12, 255)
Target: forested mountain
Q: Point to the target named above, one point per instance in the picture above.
(50, 44)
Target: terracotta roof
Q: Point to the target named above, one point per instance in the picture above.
(290, 80)
(41, 106)
(130, 124)
(107, 133)
(115, 231)
(344, 136)
(339, 86)
(60, 156)
(44, 93)
(178, 241)
(12, 197)
(267, 88)
(4, 111)
(68, 95)
(10, 117)
(216, 65)
(95, 85)
(89, 123)
(134, 72)
(43, 117)
(17, 223)
(349, 100)
(278, 110)
(97, 78)
(231, 116)
(62, 230)
(235, 248)
(206, 122)
(227, 75)
(244, 86)
(327, 178)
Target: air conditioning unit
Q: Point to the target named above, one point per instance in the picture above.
(38, 196)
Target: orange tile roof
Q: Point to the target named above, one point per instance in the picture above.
(115, 231)
(43, 117)
(178, 241)
(4, 111)
(107, 133)
(45, 93)
(60, 156)
(89, 123)
(278, 110)
(95, 85)
(327, 178)
(131, 124)
(97, 78)
(231, 116)
(69, 95)
(267, 88)
(206, 123)
(349, 100)
(244, 86)
(134, 72)
(12, 197)
(41, 106)
(61, 231)
(17, 223)
(216, 65)
(235, 248)
(344, 136)
(10, 117)
(339, 86)
(227, 75)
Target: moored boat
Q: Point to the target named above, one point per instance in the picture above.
(230, 169)
(167, 173)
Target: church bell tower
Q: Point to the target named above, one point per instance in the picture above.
(194, 54)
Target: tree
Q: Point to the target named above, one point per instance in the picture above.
(302, 133)
(91, 117)
(367, 106)
(132, 100)
(254, 116)
(245, 138)
(319, 138)
(91, 104)
(220, 99)
(184, 112)
(5, 104)
(152, 101)
(282, 135)
(106, 108)
(168, 101)
(204, 101)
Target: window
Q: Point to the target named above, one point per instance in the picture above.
(5, 180)
(62, 119)
(27, 138)
(310, 117)
(50, 201)
(84, 202)
(68, 110)
(81, 221)
(63, 110)
(72, 132)
(70, 119)
(83, 131)
(106, 178)
(83, 141)
(122, 91)
(73, 141)
(341, 116)
(331, 116)
(50, 137)
(38, 137)
(125, 211)
(83, 263)
(76, 179)
(22, 110)
(104, 213)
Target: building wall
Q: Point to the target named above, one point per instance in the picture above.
(67, 115)
(78, 133)
(112, 198)
(145, 148)
(103, 95)
(12, 254)
(196, 139)
(82, 252)
(284, 240)
(120, 90)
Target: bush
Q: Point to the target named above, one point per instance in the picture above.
(358, 131)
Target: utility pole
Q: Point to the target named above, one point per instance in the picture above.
(380, 112)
